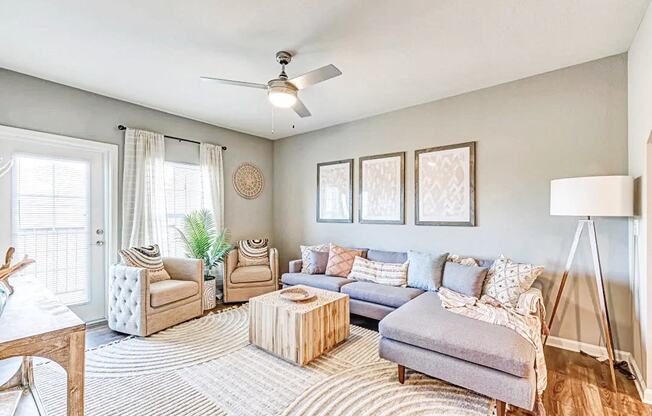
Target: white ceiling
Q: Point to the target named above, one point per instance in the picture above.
(393, 54)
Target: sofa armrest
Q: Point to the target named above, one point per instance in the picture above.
(273, 265)
(230, 264)
(295, 266)
(184, 269)
(127, 300)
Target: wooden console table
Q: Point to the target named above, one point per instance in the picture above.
(35, 324)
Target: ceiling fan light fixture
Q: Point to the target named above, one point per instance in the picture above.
(282, 97)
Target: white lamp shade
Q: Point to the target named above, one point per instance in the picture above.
(599, 196)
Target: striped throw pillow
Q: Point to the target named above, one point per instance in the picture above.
(390, 274)
(253, 253)
(147, 258)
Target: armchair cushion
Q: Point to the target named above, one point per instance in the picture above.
(168, 291)
(148, 258)
(251, 274)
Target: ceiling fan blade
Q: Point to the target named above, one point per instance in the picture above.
(236, 83)
(301, 109)
(318, 75)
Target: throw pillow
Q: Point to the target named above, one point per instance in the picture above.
(305, 261)
(467, 280)
(390, 274)
(340, 260)
(148, 258)
(317, 261)
(425, 271)
(467, 261)
(506, 280)
(253, 253)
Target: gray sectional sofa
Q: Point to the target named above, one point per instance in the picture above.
(419, 334)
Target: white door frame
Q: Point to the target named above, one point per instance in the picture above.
(110, 158)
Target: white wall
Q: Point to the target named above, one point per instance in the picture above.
(570, 122)
(639, 65)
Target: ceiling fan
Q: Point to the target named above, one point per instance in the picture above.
(283, 92)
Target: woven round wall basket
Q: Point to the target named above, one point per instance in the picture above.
(248, 181)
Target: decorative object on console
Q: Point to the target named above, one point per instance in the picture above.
(253, 252)
(317, 262)
(297, 294)
(445, 185)
(335, 191)
(389, 274)
(248, 181)
(425, 271)
(148, 258)
(592, 196)
(7, 270)
(382, 189)
(305, 260)
(463, 278)
(340, 260)
(507, 280)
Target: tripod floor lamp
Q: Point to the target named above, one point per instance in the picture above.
(592, 196)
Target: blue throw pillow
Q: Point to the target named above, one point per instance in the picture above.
(425, 270)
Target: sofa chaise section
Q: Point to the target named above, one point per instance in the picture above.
(489, 359)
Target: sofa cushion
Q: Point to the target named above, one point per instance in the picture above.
(387, 256)
(340, 260)
(251, 274)
(389, 274)
(464, 279)
(383, 295)
(423, 322)
(425, 270)
(168, 291)
(321, 281)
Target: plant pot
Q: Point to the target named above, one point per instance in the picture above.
(208, 297)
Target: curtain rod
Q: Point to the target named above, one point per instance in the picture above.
(121, 127)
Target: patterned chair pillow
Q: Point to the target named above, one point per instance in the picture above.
(253, 252)
(340, 260)
(390, 274)
(305, 260)
(506, 280)
(317, 262)
(148, 258)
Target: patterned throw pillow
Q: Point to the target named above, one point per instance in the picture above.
(390, 274)
(317, 261)
(147, 258)
(340, 260)
(465, 261)
(253, 253)
(506, 280)
(305, 261)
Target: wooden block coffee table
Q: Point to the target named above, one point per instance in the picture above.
(299, 331)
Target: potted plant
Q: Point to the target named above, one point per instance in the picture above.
(204, 242)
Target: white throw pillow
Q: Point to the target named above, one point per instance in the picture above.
(305, 257)
(506, 280)
(390, 274)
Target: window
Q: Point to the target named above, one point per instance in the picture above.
(183, 195)
(51, 222)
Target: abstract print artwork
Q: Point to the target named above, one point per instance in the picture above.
(445, 185)
(335, 191)
(382, 191)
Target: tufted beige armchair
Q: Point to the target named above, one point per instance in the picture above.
(138, 307)
(242, 283)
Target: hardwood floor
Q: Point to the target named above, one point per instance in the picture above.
(578, 385)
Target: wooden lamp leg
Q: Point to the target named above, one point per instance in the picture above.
(401, 374)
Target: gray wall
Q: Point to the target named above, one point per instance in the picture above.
(35, 104)
(571, 122)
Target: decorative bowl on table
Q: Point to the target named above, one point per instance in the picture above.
(296, 294)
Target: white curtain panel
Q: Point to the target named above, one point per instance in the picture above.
(212, 177)
(143, 190)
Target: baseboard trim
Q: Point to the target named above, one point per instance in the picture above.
(596, 350)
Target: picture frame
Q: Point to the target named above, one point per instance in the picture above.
(445, 185)
(381, 189)
(335, 191)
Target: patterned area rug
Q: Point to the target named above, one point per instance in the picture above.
(207, 367)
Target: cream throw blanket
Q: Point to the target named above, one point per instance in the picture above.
(527, 319)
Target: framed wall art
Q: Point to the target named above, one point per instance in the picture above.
(382, 189)
(445, 185)
(335, 191)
